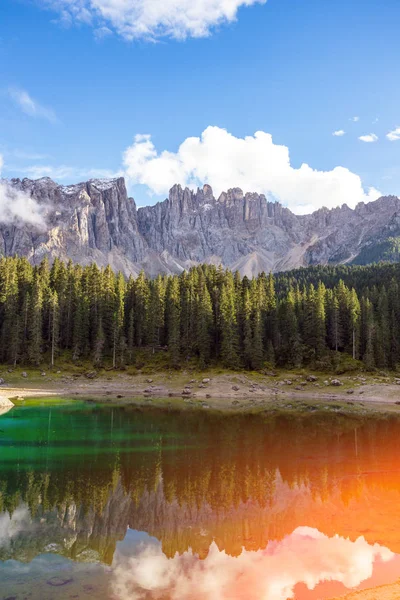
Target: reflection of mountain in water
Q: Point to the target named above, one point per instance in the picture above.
(238, 481)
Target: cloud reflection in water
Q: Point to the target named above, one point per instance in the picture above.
(305, 556)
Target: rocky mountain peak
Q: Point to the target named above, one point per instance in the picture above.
(208, 192)
(97, 221)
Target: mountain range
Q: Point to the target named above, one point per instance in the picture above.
(97, 221)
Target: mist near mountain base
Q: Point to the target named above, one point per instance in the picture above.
(17, 206)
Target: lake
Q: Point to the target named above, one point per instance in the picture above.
(125, 503)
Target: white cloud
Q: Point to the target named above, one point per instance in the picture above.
(339, 133)
(394, 135)
(150, 19)
(306, 556)
(16, 205)
(253, 163)
(30, 106)
(355, 119)
(370, 138)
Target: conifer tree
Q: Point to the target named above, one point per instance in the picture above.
(246, 317)
(98, 351)
(290, 348)
(369, 334)
(229, 326)
(131, 336)
(257, 293)
(204, 324)
(156, 311)
(354, 322)
(333, 320)
(119, 339)
(173, 320)
(35, 322)
(141, 306)
(11, 327)
(54, 325)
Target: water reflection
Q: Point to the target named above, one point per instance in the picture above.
(232, 507)
(305, 556)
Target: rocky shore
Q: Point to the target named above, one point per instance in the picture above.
(223, 391)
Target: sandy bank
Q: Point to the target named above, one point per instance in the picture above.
(5, 402)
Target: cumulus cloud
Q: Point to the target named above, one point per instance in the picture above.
(370, 138)
(30, 106)
(355, 119)
(17, 206)
(253, 163)
(339, 133)
(151, 19)
(306, 556)
(394, 135)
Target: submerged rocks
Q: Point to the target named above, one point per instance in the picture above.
(59, 581)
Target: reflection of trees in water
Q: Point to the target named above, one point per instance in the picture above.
(238, 479)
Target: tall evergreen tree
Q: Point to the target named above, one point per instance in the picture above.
(54, 309)
(35, 322)
(173, 320)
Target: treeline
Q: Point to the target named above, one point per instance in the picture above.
(208, 315)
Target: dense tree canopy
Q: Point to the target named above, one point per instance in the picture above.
(303, 317)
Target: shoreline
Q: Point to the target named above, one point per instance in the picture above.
(233, 392)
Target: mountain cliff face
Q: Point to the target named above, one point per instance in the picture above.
(97, 221)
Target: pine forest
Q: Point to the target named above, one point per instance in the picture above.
(313, 317)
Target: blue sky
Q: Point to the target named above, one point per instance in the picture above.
(76, 88)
